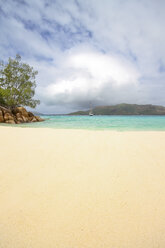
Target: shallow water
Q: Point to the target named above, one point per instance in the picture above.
(119, 123)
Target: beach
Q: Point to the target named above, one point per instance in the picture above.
(64, 188)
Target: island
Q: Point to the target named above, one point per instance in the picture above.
(125, 109)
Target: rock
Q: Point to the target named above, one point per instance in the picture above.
(15, 111)
(34, 119)
(17, 115)
(38, 118)
(1, 118)
(30, 114)
(22, 111)
(5, 110)
(19, 120)
(25, 119)
(30, 118)
(10, 122)
(8, 116)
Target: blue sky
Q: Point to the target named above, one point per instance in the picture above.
(104, 52)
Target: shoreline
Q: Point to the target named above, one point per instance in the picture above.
(78, 129)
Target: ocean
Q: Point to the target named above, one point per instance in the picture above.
(118, 123)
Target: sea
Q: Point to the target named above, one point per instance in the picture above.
(96, 122)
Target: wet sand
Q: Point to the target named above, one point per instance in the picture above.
(81, 189)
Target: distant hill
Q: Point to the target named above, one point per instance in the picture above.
(125, 109)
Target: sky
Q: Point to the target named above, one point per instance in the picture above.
(88, 52)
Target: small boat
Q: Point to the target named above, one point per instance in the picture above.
(91, 112)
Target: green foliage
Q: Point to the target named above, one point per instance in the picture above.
(2, 93)
(17, 83)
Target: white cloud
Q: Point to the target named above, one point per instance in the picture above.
(105, 51)
(89, 76)
(104, 67)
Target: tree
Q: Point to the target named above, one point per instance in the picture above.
(2, 101)
(17, 84)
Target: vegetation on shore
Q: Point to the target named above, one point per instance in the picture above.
(125, 109)
(17, 88)
(17, 84)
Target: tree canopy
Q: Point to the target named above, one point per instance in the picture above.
(17, 83)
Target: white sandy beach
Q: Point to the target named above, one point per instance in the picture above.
(81, 189)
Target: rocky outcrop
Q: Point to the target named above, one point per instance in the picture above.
(17, 115)
(1, 116)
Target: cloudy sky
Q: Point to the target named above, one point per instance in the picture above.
(88, 51)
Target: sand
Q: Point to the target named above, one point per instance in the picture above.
(81, 189)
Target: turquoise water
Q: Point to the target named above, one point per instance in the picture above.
(120, 123)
